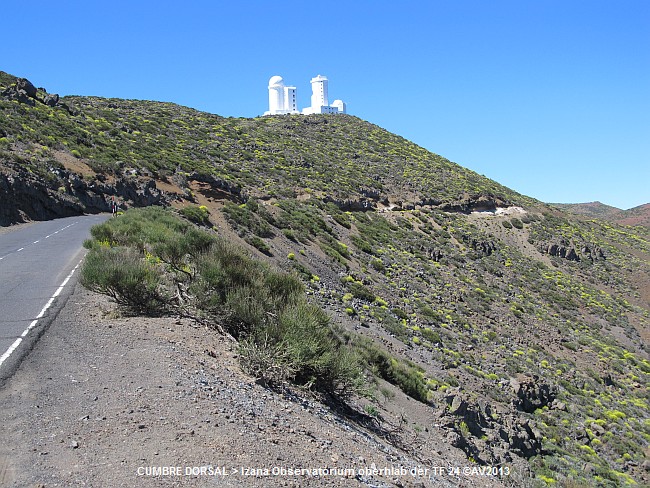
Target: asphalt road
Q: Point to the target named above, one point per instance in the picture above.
(38, 268)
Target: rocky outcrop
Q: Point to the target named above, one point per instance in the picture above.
(592, 253)
(565, 249)
(25, 92)
(478, 203)
(488, 437)
(484, 247)
(15, 92)
(352, 204)
(562, 249)
(432, 253)
(532, 393)
(25, 86)
(51, 100)
(26, 197)
(218, 183)
(524, 438)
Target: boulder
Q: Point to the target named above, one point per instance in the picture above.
(532, 394)
(51, 100)
(23, 84)
(21, 96)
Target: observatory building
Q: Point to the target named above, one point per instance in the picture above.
(282, 99)
(319, 103)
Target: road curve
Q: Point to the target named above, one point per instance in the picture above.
(38, 268)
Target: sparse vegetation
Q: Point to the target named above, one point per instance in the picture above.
(266, 309)
(464, 302)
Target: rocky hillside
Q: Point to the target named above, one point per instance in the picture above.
(519, 331)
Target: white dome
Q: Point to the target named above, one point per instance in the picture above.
(276, 81)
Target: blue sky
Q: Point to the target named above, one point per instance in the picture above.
(549, 97)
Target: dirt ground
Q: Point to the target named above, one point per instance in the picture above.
(105, 400)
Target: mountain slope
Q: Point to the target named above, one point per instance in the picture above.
(526, 327)
(591, 209)
(343, 157)
(634, 216)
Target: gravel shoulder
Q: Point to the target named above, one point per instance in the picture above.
(102, 399)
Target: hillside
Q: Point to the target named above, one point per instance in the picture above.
(520, 331)
(634, 216)
(592, 209)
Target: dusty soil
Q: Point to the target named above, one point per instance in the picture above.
(103, 398)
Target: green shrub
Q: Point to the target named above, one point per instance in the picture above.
(404, 375)
(399, 313)
(378, 265)
(431, 335)
(223, 268)
(506, 224)
(259, 244)
(266, 360)
(244, 218)
(361, 244)
(309, 352)
(122, 274)
(342, 219)
(516, 223)
(197, 214)
(360, 291)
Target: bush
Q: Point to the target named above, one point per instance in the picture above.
(378, 265)
(259, 244)
(361, 244)
(223, 268)
(516, 223)
(267, 361)
(400, 314)
(122, 274)
(342, 219)
(317, 354)
(360, 291)
(402, 374)
(175, 250)
(245, 217)
(197, 214)
(431, 335)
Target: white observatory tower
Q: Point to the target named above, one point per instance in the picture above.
(282, 99)
(319, 99)
(319, 92)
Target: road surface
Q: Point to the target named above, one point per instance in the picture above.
(38, 266)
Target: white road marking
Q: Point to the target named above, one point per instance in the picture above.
(17, 342)
(11, 349)
(31, 326)
(46, 237)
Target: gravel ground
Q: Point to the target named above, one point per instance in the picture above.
(105, 400)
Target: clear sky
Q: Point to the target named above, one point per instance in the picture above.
(549, 97)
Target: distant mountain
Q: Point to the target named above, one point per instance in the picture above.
(635, 216)
(511, 330)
